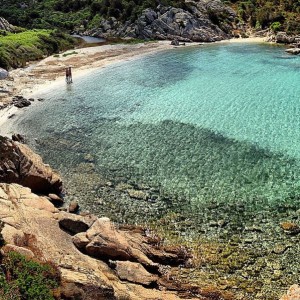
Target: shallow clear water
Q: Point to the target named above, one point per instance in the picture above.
(213, 131)
(216, 122)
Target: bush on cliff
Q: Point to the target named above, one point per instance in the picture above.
(22, 278)
(17, 49)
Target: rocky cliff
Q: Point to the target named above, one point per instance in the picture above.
(19, 164)
(96, 259)
(4, 25)
(200, 21)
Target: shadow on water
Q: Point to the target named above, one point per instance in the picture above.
(195, 167)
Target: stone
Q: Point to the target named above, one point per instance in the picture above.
(290, 228)
(18, 138)
(175, 42)
(21, 250)
(19, 164)
(73, 206)
(283, 38)
(4, 25)
(75, 223)
(136, 194)
(294, 51)
(20, 102)
(35, 230)
(56, 200)
(292, 294)
(3, 73)
(134, 272)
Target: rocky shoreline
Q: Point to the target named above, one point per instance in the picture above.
(96, 258)
(82, 240)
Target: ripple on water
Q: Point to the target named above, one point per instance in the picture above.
(211, 135)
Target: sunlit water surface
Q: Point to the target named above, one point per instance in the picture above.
(214, 131)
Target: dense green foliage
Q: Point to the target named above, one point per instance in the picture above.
(71, 14)
(74, 14)
(17, 49)
(274, 14)
(25, 279)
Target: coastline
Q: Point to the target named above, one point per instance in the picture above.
(50, 72)
(36, 86)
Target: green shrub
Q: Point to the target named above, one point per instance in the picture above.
(17, 49)
(276, 26)
(27, 279)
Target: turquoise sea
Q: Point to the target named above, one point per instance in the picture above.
(211, 134)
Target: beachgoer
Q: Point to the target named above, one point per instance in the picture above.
(67, 75)
(70, 75)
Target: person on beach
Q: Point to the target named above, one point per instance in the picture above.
(69, 75)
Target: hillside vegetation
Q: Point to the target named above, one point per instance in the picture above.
(18, 48)
(275, 14)
(73, 14)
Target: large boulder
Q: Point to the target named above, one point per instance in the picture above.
(283, 38)
(19, 164)
(103, 240)
(32, 227)
(3, 73)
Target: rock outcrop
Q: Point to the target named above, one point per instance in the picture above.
(19, 164)
(125, 262)
(3, 73)
(200, 21)
(292, 294)
(4, 25)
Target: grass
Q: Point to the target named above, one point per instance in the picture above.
(69, 53)
(18, 48)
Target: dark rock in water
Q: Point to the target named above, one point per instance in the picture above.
(40, 99)
(73, 206)
(20, 101)
(11, 116)
(290, 228)
(31, 99)
(294, 51)
(3, 73)
(18, 138)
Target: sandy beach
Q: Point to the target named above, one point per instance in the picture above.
(49, 72)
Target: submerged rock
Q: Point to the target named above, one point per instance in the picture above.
(20, 101)
(32, 227)
(290, 227)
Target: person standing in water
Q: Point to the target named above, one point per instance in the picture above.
(69, 75)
